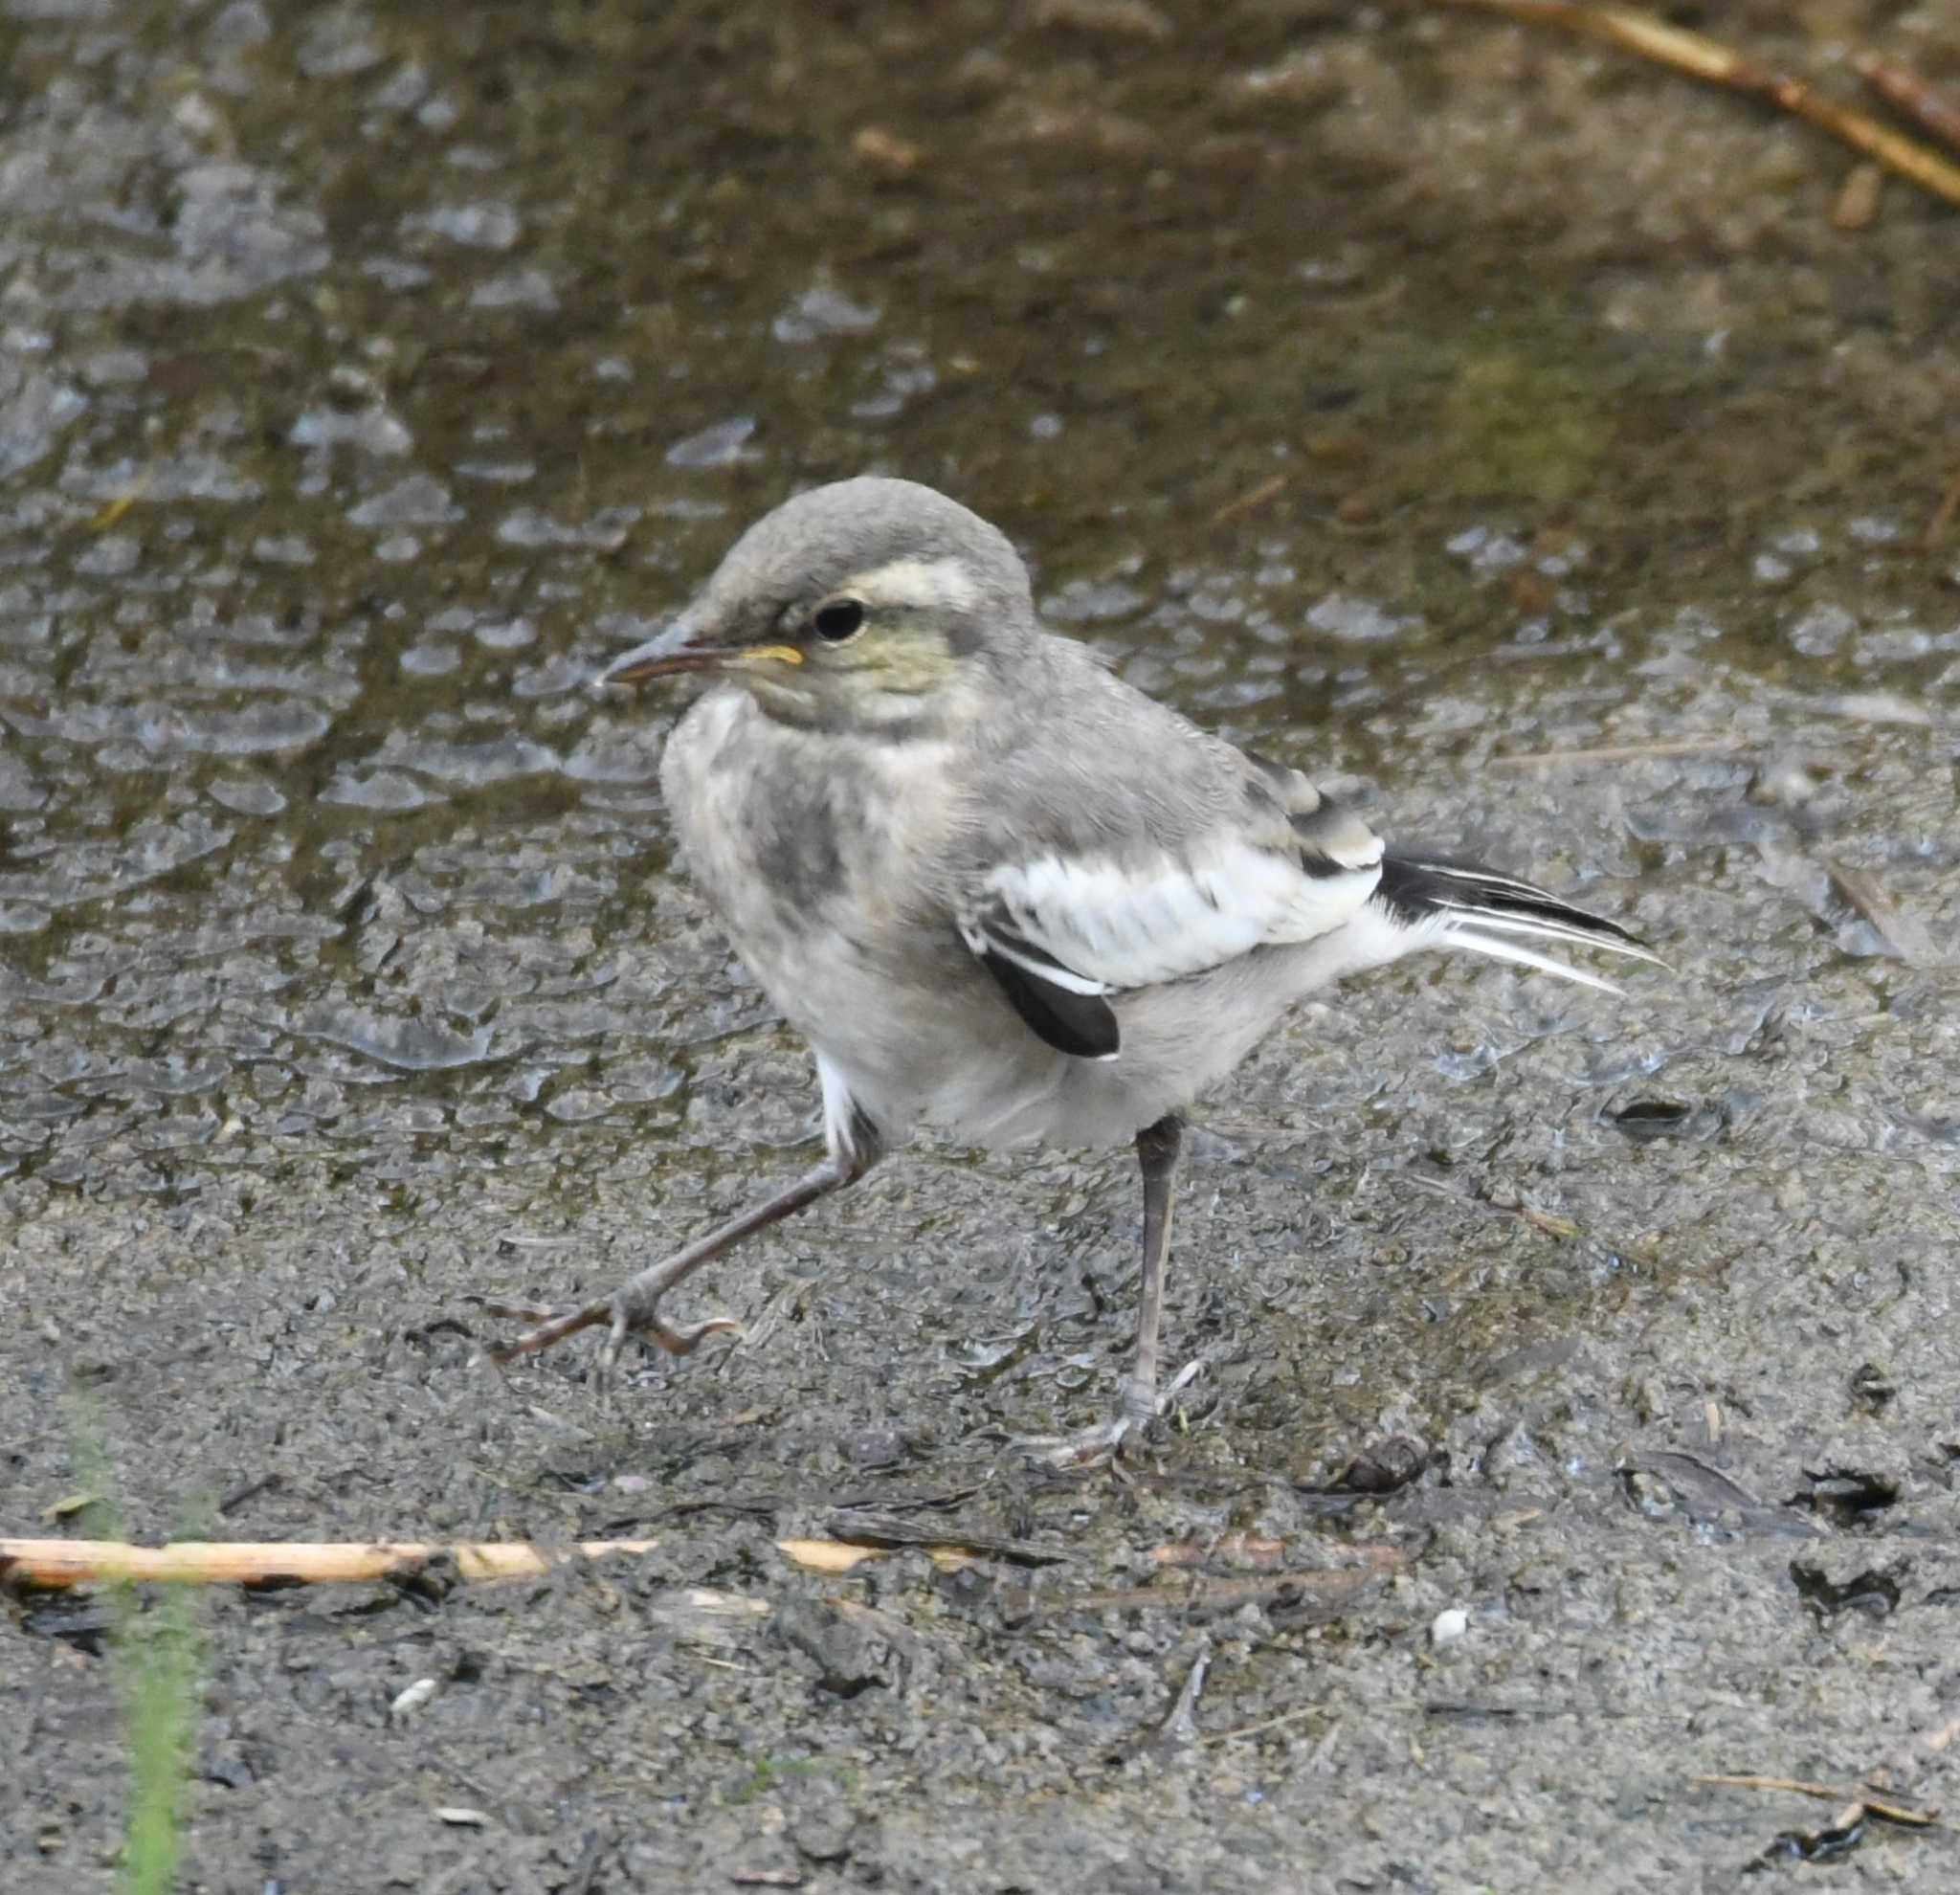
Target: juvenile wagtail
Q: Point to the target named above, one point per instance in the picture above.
(996, 889)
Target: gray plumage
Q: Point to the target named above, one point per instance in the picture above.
(998, 890)
(844, 854)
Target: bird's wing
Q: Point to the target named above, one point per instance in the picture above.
(1065, 927)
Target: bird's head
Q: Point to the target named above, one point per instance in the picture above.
(858, 604)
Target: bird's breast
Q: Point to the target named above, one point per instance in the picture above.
(822, 851)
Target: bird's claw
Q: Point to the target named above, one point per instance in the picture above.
(624, 1313)
(1101, 1445)
(628, 1320)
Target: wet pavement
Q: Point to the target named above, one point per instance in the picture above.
(1499, 430)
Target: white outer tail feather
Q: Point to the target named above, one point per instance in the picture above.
(1456, 935)
(1451, 905)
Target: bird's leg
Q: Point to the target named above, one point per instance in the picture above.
(1157, 1150)
(635, 1305)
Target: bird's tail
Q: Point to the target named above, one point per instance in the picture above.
(1460, 905)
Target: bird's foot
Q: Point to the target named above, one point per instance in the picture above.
(634, 1308)
(1101, 1445)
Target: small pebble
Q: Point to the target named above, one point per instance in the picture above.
(1449, 1626)
(407, 1702)
(1782, 783)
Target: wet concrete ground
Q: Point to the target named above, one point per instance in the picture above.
(1500, 429)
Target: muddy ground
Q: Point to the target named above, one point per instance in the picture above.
(1499, 428)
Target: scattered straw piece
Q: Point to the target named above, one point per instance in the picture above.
(1902, 88)
(1943, 516)
(53, 1563)
(1857, 207)
(886, 150)
(1251, 502)
(1856, 1802)
(1715, 64)
(826, 1555)
(1717, 744)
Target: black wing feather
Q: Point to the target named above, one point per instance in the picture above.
(1060, 1006)
(1080, 1024)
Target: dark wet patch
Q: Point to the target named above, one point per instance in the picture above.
(1847, 1496)
(1653, 1118)
(1871, 1590)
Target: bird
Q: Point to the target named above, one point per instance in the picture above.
(998, 890)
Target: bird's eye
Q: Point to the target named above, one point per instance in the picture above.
(838, 621)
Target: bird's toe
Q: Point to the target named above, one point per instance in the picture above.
(685, 1340)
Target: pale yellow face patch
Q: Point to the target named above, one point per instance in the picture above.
(916, 585)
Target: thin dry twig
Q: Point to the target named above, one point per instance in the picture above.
(1250, 501)
(1872, 1799)
(1887, 1811)
(1854, 1801)
(1904, 90)
(1905, 935)
(1942, 517)
(54, 1564)
(1905, 1762)
(889, 1532)
(1712, 745)
(1715, 64)
(1247, 1548)
(123, 502)
(1309, 1595)
(1264, 1725)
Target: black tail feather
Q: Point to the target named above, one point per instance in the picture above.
(1495, 914)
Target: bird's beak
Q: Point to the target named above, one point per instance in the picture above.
(677, 649)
